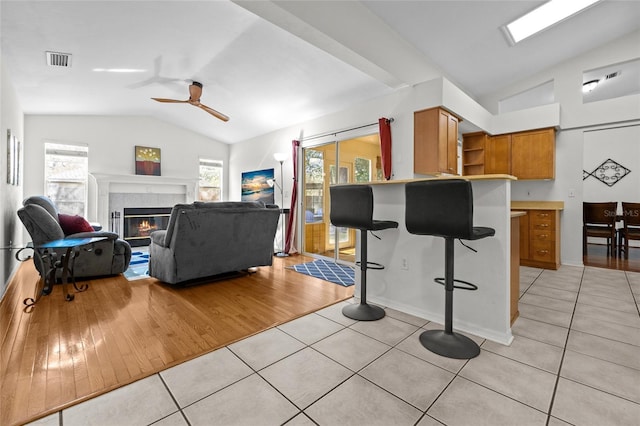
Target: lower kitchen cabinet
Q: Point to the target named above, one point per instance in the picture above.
(539, 233)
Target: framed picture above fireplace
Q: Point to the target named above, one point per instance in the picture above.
(147, 161)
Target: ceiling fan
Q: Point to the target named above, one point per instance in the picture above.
(195, 90)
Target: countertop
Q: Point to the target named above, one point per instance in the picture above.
(434, 177)
(517, 213)
(537, 205)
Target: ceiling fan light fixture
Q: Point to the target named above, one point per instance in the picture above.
(588, 86)
(543, 17)
(195, 90)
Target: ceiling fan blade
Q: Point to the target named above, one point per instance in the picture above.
(195, 90)
(169, 100)
(213, 112)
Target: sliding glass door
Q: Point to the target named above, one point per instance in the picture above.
(346, 161)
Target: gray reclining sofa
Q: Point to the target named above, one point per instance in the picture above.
(206, 239)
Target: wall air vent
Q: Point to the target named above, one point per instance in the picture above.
(57, 59)
(612, 75)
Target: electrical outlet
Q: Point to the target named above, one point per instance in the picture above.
(405, 264)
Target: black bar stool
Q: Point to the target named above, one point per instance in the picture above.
(352, 207)
(444, 208)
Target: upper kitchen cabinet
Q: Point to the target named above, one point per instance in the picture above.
(474, 146)
(498, 155)
(533, 154)
(525, 155)
(484, 154)
(435, 141)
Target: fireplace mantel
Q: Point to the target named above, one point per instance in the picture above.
(107, 184)
(143, 180)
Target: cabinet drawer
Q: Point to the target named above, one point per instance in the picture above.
(542, 215)
(540, 238)
(543, 251)
(542, 220)
(543, 235)
(543, 226)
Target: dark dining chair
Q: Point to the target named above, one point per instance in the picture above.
(630, 226)
(599, 220)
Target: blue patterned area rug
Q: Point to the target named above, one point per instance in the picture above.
(138, 267)
(328, 271)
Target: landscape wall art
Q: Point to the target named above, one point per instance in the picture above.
(258, 185)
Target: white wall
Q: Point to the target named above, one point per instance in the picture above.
(11, 195)
(258, 153)
(111, 142)
(111, 139)
(567, 78)
(576, 118)
(622, 145)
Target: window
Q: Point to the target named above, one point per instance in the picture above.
(363, 169)
(210, 185)
(65, 176)
(313, 188)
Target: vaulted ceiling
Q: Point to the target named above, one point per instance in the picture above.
(271, 64)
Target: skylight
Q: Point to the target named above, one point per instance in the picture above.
(545, 16)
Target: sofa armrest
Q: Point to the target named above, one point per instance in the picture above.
(158, 237)
(109, 235)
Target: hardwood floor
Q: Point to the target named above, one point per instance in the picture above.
(597, 256)
(119, 331)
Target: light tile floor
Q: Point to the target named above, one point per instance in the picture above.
(575, 360)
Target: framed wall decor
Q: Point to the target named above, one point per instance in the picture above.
(13, 159)
(18, 168)
(147, 161)
(257, 185)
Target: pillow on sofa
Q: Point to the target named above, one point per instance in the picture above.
(73, 224)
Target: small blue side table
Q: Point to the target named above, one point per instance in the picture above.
(46, 255)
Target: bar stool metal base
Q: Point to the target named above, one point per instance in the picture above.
(450, 345)
(363, 312)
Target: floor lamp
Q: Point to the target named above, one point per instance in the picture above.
(281, 157)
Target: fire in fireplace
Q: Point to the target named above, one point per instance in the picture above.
(140, 222)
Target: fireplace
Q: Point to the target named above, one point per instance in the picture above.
(140, 222)
(112, 193)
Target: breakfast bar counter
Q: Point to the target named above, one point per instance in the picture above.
(413, 261)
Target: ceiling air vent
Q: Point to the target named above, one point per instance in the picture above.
(612, 75)
(57, 59)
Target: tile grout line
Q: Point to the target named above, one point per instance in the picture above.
(357, 373)
(564, 350)
(633, 295)
(549, 416)
(166, 386)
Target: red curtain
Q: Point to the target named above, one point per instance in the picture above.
(290, 236)
(385, 146)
